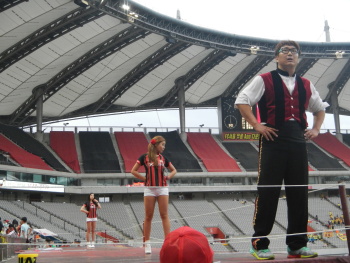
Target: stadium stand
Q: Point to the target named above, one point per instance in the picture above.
(138, 209)
(346, 139)
(63, 143)
(63, 60)
(323, 208)
(17, 210)
(245, 153)
(21, 156)
(212, 156)
(5, 158)
(123, 219)
(321, 161)
(117, 216)
(71, 213)
(332, 145)
(98, 153)
(177, 152)
(28, 143)
(131, 146)
(277, 240)
(229, 208)
(199, 214)
(157, 232)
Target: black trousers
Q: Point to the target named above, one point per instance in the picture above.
(282, 160)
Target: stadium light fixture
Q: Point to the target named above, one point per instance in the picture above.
(132, 16)
(126, 7)
(339, 54)
(254, 50)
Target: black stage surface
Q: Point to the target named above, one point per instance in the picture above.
(121, 253)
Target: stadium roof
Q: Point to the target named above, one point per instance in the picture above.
(85, 57)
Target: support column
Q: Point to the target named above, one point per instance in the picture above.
(326, 29)
(207, 181)
(38, 93)
(335, 109)
(181, 96)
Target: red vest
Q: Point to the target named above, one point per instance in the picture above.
(277, 105)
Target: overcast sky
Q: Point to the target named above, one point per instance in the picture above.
(301, 20)
(273, 19)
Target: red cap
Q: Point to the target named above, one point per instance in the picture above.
(186, 245)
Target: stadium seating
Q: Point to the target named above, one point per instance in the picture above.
(98, 153)
(117, 216)
(123, 219)
(131, 146)
(19, 209)
(332, 145)
(157, 232)
(212, 156)
(28, 143)
(321, 161)
(5, 159)
(21, 156)
(177, 152)
(200, 214)
(233, 216)
(346, 139)
(63, 143)
(71, 213)
(245, 153)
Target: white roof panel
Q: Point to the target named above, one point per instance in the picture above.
(329, 76)
(158, 82)
(217, 79)
(38, 14)
(52, 60)
(318, 70)
(100, 78)
(344, 97)
(125, 70)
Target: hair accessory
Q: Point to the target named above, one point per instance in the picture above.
(153, 141)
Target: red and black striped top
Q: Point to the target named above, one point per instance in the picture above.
(154, 174)
(92, 211)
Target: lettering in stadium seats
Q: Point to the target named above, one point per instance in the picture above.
(240, 136)
(27, 260)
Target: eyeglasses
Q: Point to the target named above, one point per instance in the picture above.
(287, 50)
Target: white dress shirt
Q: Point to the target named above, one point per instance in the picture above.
(254, 91)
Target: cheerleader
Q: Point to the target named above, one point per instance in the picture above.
(90, 209)
(156, 187)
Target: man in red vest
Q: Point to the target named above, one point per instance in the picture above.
(283, 98)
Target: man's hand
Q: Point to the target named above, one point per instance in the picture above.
(310, 134)
(268, 132)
